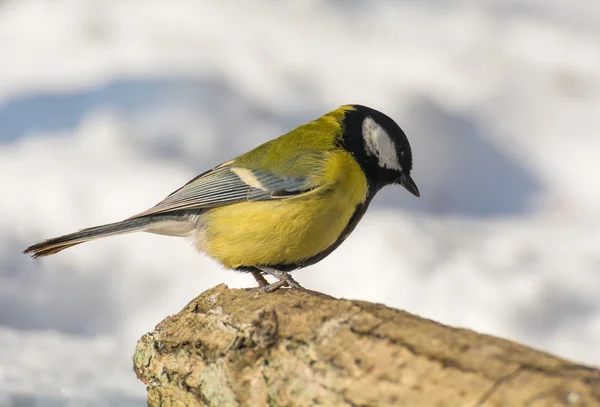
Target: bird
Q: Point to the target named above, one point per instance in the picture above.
(282, 206)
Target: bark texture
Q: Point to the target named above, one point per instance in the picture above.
(294, 348)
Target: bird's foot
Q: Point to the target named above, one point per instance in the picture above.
(269, 288)
(285, 280)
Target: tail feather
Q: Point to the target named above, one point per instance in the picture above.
(57, 244)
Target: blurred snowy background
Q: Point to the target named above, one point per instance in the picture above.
(108, 106)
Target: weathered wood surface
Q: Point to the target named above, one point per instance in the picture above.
(293, 348)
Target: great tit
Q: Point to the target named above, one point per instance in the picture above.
(282, 206)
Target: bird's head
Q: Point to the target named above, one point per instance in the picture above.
(379, 146)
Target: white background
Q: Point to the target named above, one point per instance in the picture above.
(106, 107)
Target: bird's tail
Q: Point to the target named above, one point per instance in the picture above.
(55, 245)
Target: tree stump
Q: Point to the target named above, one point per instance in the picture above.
(300, 348)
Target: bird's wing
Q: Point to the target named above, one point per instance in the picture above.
(228, 184)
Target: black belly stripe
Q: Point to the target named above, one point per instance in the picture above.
(356, 217)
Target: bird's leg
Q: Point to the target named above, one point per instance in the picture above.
(285, 279)
(262, 282)
(283, 276)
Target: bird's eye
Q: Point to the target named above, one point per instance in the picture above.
(401, 153)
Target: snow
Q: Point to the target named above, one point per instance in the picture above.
(106, 107)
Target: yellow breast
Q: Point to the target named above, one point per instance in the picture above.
(286, 231)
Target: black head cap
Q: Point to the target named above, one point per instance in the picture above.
(379, 146)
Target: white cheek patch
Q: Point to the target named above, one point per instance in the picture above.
(378, 143)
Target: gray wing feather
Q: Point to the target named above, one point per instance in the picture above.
(226, 185)
(276, 187)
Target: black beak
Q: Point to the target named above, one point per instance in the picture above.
(407, 182)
